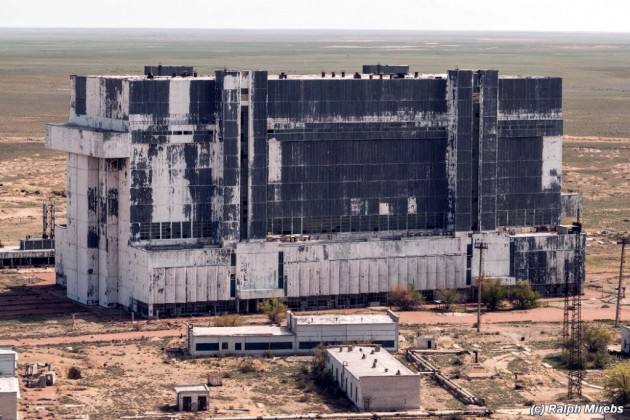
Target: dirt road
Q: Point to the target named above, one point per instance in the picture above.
(532, 315)
(418, 317)
(126, 336)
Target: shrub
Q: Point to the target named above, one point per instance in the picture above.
(275, 309)
(230, 320)
(448, 297)
(522, 296)
(617, 384)
(319, 371)
(405, 298)
(74, 373)
(600, 360)
(596, 338)
(492, 293)
(247, 367)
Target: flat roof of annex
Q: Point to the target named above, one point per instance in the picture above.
(363, 361)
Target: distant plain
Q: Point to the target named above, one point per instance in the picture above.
(35, 66)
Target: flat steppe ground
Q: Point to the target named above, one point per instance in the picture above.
(127, 368)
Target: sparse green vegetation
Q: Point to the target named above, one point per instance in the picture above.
(492, 293)
(522, 296)
(448, 297)
(275, 309)
(405, 298)
(229, 320)
(617, 383)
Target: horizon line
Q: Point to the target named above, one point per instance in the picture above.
(367, 30)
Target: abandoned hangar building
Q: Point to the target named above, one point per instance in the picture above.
(193, 194)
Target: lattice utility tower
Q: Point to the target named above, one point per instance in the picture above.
(565, 323)
(48, 219)
(576, 372)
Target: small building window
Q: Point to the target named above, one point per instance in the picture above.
(224, 346)
(237, 346)
(207, 346)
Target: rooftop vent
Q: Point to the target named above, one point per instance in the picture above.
(398, 372)
(323, 74)
(343, 74)
(374, 364)
(400, 69)
(357, 75)
(161, 70)
(363, 357)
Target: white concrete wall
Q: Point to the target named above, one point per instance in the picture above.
(88, 142)
(99, 113)
(389, 393)
(374, 266)
(231, 342)
(625, 340)
(331, 333)
(9, 398)
(8, 406)
(496, 259)
(385, 393)
(7, 364)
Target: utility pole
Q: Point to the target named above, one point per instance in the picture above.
(480, 246)
(622, 242)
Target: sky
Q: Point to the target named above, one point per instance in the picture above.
(493, 15)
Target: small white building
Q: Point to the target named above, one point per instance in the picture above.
(425, 342)
(9, 395)
(625, 339)
(8, 361)
(255, 339)
(192, 397)
(331, 329)
(373, 379)
(301, 335)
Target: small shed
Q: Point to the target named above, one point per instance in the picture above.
(9, 395)
(425, 342)
(192, 397)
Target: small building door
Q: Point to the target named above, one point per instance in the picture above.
(366, 404)
(202, 403)
(186, 403)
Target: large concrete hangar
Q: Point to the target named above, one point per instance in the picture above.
(192, 194)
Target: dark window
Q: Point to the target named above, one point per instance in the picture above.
(233, 286)
(233, 260)
(166, 230)
(286, 345)
(155, 231)
(307, 345)
(386, 343)
(280, 270)
(196, 229)
(256, 346)
(176, 230)
(207, 347)
(237, 346)
(186, 230)
(224, 346)
(145, 231)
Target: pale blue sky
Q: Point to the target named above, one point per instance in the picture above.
(512, 15)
